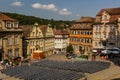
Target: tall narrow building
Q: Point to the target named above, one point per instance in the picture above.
(81, 35)
(10, 38)
(61, 40)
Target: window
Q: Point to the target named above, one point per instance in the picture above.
(16, 40)
(104, 35)
(30, 51)
(8, 25)
(15, 24)
(9, 41)
(105, 27)
(112, 28)
(37, 33)
(86, 48)
(73, 32)
(100, 44)
(33, 33)
(80, 24)
(37, 42)
(96, 28)
(105, 17)
(95, 35)
(95, 43)
(30, 43)
(80, 32)
(90, 33)
(16, 53)
(9, 53)
(80, 40)
(90, 40)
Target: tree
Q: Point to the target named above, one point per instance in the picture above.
(69, 48)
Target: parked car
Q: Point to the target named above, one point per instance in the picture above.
(71, 55)
(111, 51)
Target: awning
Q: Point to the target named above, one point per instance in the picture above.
(106, 51)
(94, 50)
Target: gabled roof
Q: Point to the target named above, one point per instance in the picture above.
(28, 28)
(111, 11)
(43, 28)
(86, 23)
(5, 18)
(85, 19)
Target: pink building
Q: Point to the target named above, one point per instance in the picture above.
(105, 29)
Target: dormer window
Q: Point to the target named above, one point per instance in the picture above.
(105, 17)
(8, 24)
(15, 24)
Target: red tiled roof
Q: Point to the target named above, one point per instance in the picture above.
(83, 26)
(111, 11)
(61, 32)
(26, 29)
(6, 18)
(83, 23)
(85, 19)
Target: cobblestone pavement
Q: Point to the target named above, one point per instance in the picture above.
(113, 72)
(108, 74)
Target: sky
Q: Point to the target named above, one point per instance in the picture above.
(57, 9)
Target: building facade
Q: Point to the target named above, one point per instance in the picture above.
(105, 29)
(38, 37)
(61, 40)
(49, 38)
(81, 35)
(10, 38)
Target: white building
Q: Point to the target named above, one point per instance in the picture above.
(61, 40)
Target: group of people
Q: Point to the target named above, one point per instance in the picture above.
(9, 63)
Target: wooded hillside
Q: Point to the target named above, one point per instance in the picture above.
(30, 20)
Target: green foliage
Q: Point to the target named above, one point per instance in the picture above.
(69, 48)
(84, 56)
(6, 60)
(25, 56)
(30, 20)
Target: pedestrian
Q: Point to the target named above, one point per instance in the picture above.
(6, 65)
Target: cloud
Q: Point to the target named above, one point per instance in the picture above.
(78, 15)
(64, 11)
(51, 7)
(17, 4)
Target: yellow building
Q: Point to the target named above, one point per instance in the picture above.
(81, 35)
(38, 37)
(10, 38)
